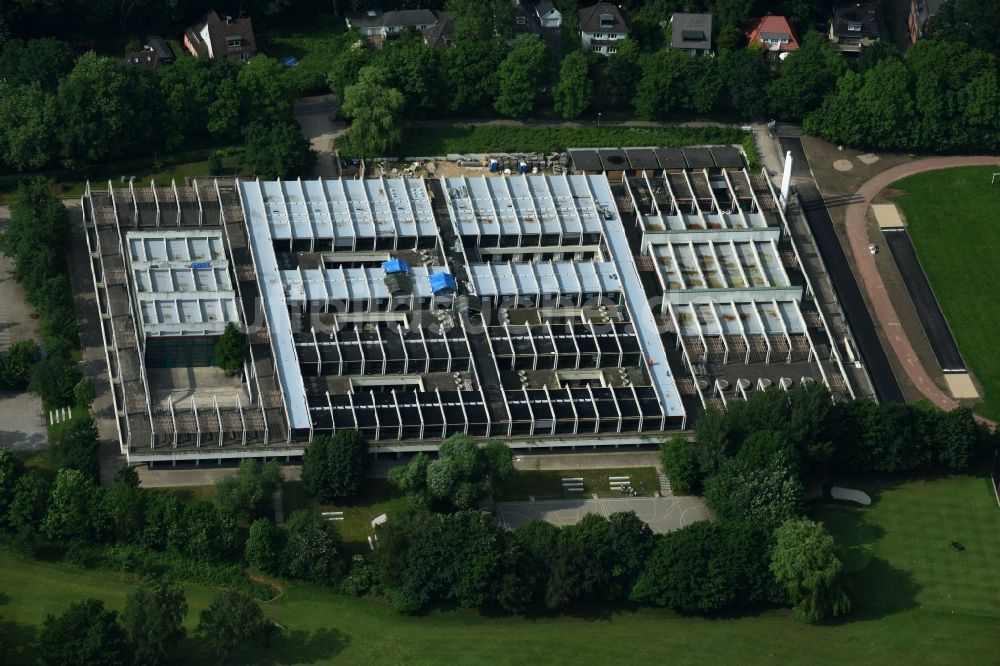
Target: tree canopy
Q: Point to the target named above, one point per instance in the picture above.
(153, 620)
(333, 467)
(86, 634)
(377, 110)
(805, 564)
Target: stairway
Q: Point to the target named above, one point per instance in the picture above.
(665, 488)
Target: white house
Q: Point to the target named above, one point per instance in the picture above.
(601, 27)
(379, 25)
(548, 15)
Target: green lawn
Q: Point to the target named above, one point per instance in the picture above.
(314, 46)
(916, 601)
(547, 484)
(952, 217)
(430, 141)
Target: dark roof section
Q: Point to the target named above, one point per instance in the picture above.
(443, 32)
(544, 7)
(642, 158)
(691, 31)
(856, 19)
(699, 158)
(613, 159)
(727, 157)
(671, 158)
(220, 32)
(602, 17)
(524, 21)
(408, 18)
(161, 48)
(585, 159)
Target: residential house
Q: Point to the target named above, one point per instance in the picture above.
(375, 26)
(221, 37)
(547, 14)
(855, 23)
(774, 33)
(921, 11)
(525, 21)
(691, 33)
(601, 27)
(443, 32)
(155, 53)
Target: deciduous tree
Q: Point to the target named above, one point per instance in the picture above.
(572, 92)
(520, 75)
(804, 562)
(377, 112)
(333, 468)
(250, 492)
(154, 620)
(86, 634)
(230, 620)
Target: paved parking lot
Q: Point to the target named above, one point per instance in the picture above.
(662, 514)
(21, 425)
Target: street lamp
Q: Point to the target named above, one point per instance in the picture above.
(598, 118)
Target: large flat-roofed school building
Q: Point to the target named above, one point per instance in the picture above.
(598, 308)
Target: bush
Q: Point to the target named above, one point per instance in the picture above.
(215, 163)
(16, 365)
(75, 444)
(54, 379)
(313, 549)
(250, 492)
(83, 393)
(264, 546)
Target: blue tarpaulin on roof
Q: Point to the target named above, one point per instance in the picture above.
(395, 266)
(441, 282)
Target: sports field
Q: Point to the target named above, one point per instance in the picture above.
(916, 601)
(953, 217)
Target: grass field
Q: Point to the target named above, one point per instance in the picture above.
(431, 141)
(547, 484)
(916, 601)
(315, 46)
(952, 217)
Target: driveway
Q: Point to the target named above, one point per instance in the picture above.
(315, 115)
(662, 514)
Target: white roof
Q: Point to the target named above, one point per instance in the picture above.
(349, 284)
(550, 278)
(344, 209)
(182, 282)
(279, 322)
(528, 204)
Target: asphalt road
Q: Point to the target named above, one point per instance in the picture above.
(935, 325)
(860, 320)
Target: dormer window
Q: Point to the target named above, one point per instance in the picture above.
(234, 42)
(520, 20)
(854, 27)
(607, 21)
